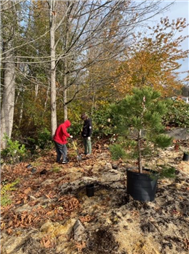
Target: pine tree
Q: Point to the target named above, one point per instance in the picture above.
(142, 111)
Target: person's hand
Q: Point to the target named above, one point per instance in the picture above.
(71, 136)
(89, 138)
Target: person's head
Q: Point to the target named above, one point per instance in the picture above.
(67, 123)
(84, 116)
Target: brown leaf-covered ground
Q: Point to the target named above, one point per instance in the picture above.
(43, 218)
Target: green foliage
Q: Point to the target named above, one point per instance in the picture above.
(75, 128)
(56, 169)
(177, 114)
(44, 138)
(5, 200)
(162, 141)
(6, 191)
(117, 151)
(139, 114)
(142, 112)
(167, 172)
(104, 122)
(14, 151)
(34, 119)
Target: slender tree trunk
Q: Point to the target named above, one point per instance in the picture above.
(36, 91)
(47, 97)
(8, 81)
(7, 110)
(21, 113)
(139, 152)
(53, 67)
(66, 62)
(65, 92)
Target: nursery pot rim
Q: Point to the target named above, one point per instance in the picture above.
(149, 171)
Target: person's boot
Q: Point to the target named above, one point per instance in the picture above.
(65, 161)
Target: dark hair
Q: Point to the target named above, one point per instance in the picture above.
(83, 116)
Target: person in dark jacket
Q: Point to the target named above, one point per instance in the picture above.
(60, 140)
(86, 133)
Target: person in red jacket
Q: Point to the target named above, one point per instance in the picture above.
(60, 140)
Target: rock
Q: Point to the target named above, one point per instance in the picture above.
(108, 166)
(14, 244)
(79, 231)
(179, 133)
(11, 244)
(57, 229)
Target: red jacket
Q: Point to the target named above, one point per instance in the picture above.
(61, 133)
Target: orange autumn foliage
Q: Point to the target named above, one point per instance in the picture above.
(152, 60)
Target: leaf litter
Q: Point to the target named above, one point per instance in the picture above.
(114, 223)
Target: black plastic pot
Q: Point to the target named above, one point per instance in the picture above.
(185, 157)
(143, 186)
(90, 190)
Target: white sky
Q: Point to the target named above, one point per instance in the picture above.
(180, 9)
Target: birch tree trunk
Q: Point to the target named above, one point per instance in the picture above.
(53, 67)
(65, 94)
(65, 76)
(67, 12)
(8, 85)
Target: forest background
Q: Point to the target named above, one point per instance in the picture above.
(62, 58)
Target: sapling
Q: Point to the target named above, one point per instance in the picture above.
(143, 112)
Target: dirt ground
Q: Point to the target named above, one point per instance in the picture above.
(51, 213)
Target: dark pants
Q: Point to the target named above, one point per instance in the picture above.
(61, 151)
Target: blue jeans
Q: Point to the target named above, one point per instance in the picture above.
(61, 151)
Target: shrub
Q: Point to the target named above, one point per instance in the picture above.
(177, 114)
(14, 151)
(44, 138)
(5, 192)
(104, 122)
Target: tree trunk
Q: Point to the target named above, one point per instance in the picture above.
(53, 68)
(139, 152)
(7, 110)
(65, 96)
(66, 61)
(8, 81)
